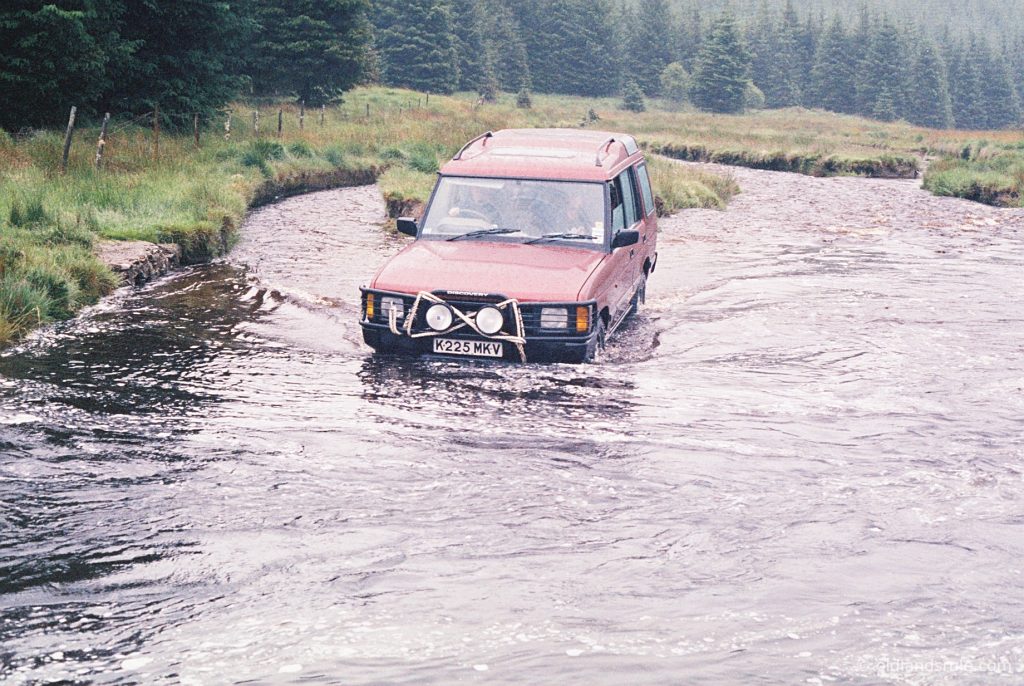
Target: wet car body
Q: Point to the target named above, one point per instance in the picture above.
(552, 232)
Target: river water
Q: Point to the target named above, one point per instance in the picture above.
(802, 463)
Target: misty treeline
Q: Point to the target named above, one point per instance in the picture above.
(195, 56)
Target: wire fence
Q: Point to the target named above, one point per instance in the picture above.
(249, 118)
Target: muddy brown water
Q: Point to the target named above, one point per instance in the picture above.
(802, 463)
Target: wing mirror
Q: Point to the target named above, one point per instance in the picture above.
(407, 225)
(624, 238)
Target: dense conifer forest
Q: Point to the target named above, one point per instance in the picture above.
(936, 63)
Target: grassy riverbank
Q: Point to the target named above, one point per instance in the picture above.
(989, 172)
(197, 197)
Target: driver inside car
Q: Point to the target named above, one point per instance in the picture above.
(473, 202)
(537, 210)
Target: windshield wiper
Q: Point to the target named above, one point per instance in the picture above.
(483, 232)
(556, 236)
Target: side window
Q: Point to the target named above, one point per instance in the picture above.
(645, 187)
(618, 207)
(629, 198)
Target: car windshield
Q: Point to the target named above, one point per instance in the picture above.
(516, 209)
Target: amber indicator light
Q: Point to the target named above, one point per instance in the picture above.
(582, 319)
(369, 305)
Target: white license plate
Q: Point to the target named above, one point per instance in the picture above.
(450, 346)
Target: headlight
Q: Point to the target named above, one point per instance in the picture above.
(439, 317)
(554, 318)
(490, 320)
(389, 303)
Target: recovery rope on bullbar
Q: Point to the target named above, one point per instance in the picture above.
(463, 321)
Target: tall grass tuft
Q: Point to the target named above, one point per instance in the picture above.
(678, 187)
(423, 158)
(27, 211)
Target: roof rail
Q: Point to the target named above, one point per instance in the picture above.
(606, 147)
(484, 136)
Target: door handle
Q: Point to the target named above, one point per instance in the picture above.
(632, 252)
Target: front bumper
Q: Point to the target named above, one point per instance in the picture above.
(540, 345)
(553, 349)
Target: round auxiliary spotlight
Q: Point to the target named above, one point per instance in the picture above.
(490, 320)
(439, 317)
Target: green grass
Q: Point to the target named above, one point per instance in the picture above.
(198, 197)
(680, 187)
(991, 177)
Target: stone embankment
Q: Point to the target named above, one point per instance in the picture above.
(137, 262)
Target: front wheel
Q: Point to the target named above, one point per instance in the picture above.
(596, 349)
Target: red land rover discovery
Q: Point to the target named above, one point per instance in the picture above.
(535, 245)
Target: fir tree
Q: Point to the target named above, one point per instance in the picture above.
(720, 77)
(808, 36)
(487, 84)
(54, 58)
(675, 83)
(833, 76)
(649, 45)
(761, 43)
(505, 38)
(468, 19)
(523, 99)
(1002, 106)
(785, 90)
(621, 18)
(572, 57)
(860, 42)
(885, 106)
(633, 97)
(966, 87)
(774, 63)
(882, 72)
(186, 59)
(753, 98)
(416, 41)
(691, 35)
(931, 104)
(599, 76)
(313, 51)
(1015, 59)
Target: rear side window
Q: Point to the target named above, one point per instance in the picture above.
(645, 187)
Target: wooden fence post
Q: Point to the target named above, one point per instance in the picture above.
(302, 114)
(195, 129)
(256, 122)
(367, 110)
(280, 122)
(156, 132)
(102, 143)
(323, 111)
(67, 140)
(227, 127)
